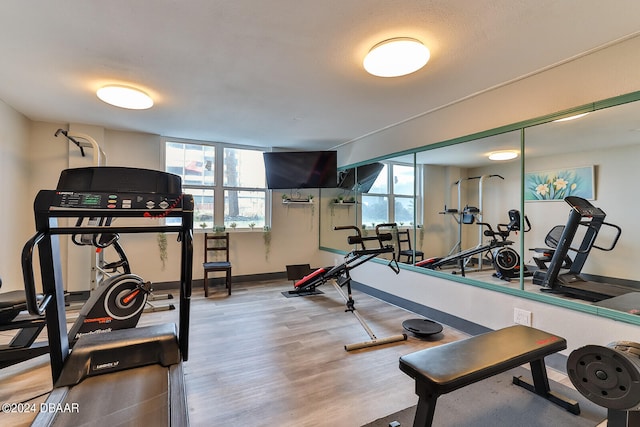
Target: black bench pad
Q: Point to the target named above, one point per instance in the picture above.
(454, 365)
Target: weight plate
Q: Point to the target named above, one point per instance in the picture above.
(606, 377)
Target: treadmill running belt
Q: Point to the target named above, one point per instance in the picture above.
(134, 397)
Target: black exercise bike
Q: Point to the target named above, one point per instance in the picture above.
(504, 258)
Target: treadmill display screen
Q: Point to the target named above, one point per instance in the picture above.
(91, 200)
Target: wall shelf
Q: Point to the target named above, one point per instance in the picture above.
(297, 202)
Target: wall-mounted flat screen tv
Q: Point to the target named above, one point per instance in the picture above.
(360, 178)
(301, 169)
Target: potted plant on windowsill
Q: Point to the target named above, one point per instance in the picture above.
(162, 247)
(266, 236)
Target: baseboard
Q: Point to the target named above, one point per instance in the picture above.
(173, 285)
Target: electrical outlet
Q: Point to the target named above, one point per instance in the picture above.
(522, 317)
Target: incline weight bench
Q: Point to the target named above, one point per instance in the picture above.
(448, 367)
(339, 275)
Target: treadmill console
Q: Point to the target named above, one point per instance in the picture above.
(155, 203)
(584, 207)
(130, 191)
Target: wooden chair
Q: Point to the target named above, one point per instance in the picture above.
(216, 244)
(406, 251)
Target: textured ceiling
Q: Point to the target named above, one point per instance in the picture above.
(281, 73)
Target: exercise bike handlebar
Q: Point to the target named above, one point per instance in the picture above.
(33, 306)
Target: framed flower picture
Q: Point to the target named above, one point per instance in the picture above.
(560, 183)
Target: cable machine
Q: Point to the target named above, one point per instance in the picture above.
(84, 141)
(469, 214)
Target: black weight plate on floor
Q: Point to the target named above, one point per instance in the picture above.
(422, 327)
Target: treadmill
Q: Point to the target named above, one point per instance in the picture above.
(123, 377)
(571, 283)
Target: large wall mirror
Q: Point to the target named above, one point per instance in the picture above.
(592, 157)
(370, 194)
(467, 197)
(452, 199)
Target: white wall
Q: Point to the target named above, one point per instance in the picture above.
(14, 177)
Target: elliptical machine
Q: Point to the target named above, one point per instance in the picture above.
(120, 298)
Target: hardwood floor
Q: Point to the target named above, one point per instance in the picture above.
(258, 358)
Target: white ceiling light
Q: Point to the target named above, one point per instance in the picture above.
(396, 57)
(503, 155)
(125, 97)
(566, 119)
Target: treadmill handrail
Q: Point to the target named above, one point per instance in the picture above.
(592, 244)
(615, 239)
(33, 306)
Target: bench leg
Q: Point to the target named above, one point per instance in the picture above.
(426, 406)
(541, 387)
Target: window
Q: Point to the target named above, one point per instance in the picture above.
(390, 198)
(402, 189)
(228, 183)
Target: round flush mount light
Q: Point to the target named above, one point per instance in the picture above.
(503, 155)
(125, 97)
(396, 57)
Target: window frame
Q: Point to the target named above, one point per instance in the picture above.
(392, 196)
(218, 186)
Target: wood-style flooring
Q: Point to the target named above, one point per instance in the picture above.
(259, 359)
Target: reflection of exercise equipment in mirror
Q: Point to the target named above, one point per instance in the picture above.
(505, 260)
(469, 214)
(582, 214)
(610, 377)
(543, 256)
(339, 276)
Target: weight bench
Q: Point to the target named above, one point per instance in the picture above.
(448, 367)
